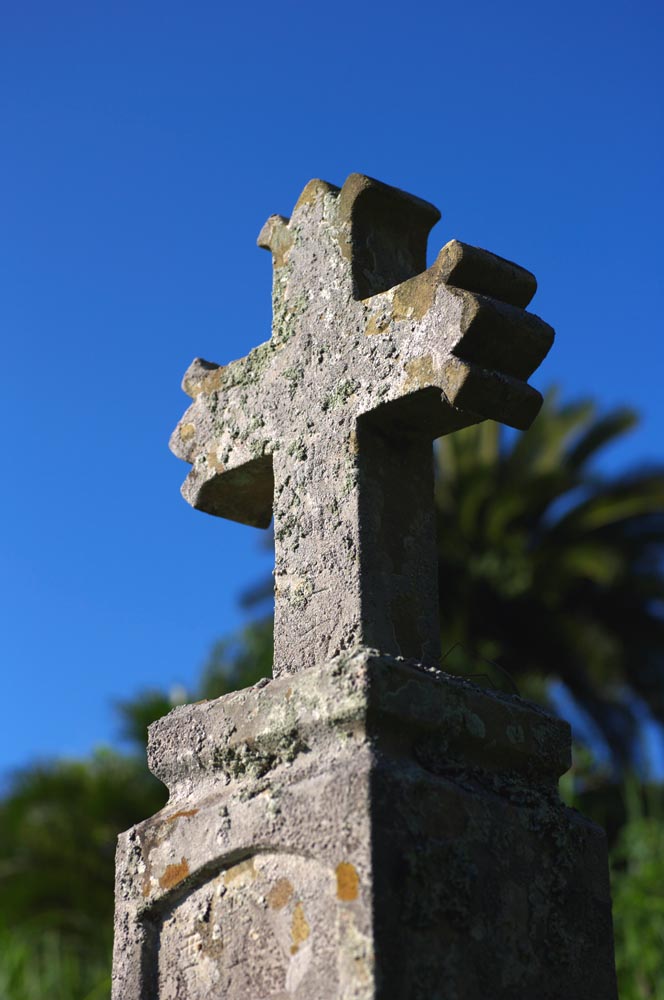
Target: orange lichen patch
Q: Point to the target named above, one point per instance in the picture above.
(211, 382)
(413, 298)
(419, 373)
(213, 462)
(281, 245)
(174, 874)
(206, 381)
(378, 324)
(300, 929)
(187, 431)
(243, 869)
(314, 189)
(279, 894)
(182, 812)
(348, 882)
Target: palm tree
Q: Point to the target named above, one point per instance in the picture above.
(552, 568)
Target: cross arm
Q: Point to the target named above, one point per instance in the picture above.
(227, 441)
(460, 327)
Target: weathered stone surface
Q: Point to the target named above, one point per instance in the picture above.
(362, 827)
(366, 829)
(330, 422)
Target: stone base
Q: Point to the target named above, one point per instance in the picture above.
(369, 830)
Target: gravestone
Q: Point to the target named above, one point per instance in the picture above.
(363, 825)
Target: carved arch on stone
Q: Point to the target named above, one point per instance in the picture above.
(300, 917)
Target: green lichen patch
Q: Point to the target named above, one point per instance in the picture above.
(287, 312)
(297, 449)
(299, 596)
(340, 395)
(256, 759)
(260, 447)
(247, 371)
(294, 376)
(286, 527)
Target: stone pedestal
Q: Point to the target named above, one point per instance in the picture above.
(370, 829)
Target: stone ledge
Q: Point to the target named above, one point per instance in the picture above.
(392, 704)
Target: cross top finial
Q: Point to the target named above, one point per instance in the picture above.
(329, 424)
(381, 231)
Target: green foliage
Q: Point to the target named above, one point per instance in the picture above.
(550, 567)
(59, 824)
(637, 879)
(58, 828)
(35, 965)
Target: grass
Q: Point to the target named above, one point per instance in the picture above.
(38, 964)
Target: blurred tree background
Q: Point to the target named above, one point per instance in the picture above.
(551, 582)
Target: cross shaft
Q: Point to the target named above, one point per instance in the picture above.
(329, 424)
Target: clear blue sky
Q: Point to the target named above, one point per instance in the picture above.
(143, 146)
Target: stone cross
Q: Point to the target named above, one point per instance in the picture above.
(329, 424)
(370, 828)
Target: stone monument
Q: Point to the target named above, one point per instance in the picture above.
(363, 826)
